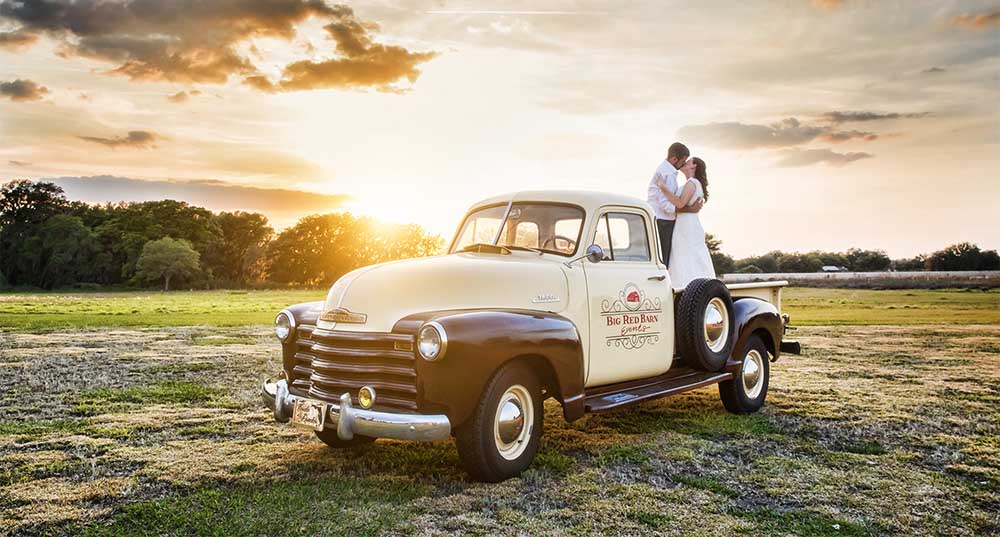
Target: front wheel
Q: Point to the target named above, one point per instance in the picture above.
(502, 436)
(745, 394)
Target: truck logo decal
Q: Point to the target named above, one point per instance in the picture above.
(632, 318)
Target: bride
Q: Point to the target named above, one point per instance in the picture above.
(689, 257)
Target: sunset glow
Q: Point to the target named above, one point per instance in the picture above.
(825, 125)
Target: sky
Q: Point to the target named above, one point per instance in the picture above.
(824, 124)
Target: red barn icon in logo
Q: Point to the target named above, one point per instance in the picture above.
(633, 297)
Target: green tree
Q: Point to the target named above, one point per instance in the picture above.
(244, 242)
(24, 206)
(723, 263)
(913, 264)
(319, 249)
(867, 260)
(67, 250)
(962, 256)
(167, 258)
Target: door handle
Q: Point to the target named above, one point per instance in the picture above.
(659, 278)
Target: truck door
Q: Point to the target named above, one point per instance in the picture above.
(630, 302)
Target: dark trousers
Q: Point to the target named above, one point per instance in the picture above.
(666, 230)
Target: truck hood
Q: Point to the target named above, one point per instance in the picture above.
(387, 292)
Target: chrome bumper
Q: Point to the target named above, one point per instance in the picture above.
(350, 421)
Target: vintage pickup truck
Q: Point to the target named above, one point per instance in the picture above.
(541, 295)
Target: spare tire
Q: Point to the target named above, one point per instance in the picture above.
(705, 332)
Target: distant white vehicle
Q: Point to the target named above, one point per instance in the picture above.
(833, 268)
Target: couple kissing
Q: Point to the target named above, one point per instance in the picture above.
(676, 207)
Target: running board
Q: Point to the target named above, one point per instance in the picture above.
(677, 380)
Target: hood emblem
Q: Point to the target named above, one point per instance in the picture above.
(545, 298)
(343, 315)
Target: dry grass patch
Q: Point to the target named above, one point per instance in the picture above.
(875, 430)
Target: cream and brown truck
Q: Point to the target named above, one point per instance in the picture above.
(547, 294)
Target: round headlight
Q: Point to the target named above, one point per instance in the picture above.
(432, 341)
(283, 326)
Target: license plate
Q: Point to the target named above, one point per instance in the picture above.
(309, 414)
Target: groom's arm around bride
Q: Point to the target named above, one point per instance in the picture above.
(665, 181)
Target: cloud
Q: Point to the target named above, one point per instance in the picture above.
(19, 163)
(192, 41)
(785, 133)
(17, 40)
(858, 116)
(361, 63)
(981, 21)
(933, 70)
(790, 158)
(837, 137)
(22, 90)
(183, 96)
(134, 139)
(283, 204)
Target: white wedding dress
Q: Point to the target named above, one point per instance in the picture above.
(689, 257)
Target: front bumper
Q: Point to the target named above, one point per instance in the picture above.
(350, 421)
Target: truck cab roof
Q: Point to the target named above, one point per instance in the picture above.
(589, 200)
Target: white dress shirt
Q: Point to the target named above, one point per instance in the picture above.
(664, 177)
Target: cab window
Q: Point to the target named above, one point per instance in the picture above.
(623, 237)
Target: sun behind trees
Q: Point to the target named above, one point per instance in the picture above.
(50, 242)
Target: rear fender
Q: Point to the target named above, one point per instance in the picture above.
(756, 315)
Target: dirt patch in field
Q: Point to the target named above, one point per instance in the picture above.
(874, 430)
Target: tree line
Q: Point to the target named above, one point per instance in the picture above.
(958, 257)
(48, 241)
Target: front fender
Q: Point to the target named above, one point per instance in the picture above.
(752, 315)
(481, 341)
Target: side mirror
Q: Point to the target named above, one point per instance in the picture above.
(594, 254)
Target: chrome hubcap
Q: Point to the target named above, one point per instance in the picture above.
(716, 324)
(514, 420)
(753, 373)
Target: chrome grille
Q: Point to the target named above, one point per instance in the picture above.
(329, 363)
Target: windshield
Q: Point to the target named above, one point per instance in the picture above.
(545, 227)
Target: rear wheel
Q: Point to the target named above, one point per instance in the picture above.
(501, 438)
(704, 325)
(330, 438)
(745, 394)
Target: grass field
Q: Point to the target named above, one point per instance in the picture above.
(53, 311)
(139, 413)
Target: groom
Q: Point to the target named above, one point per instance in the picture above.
(665, 179)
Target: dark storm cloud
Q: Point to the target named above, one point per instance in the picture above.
(134, 139)
(981, 21)
(361, 63)
(859, 116)
(786, 133)
(196, 42)
(791, 158)
(933, 70)
(22, 90)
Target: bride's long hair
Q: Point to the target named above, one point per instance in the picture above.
(701, 174)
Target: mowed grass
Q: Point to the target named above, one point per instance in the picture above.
(874, 430)
(807, 306)
(53, 311)
(901, 307)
